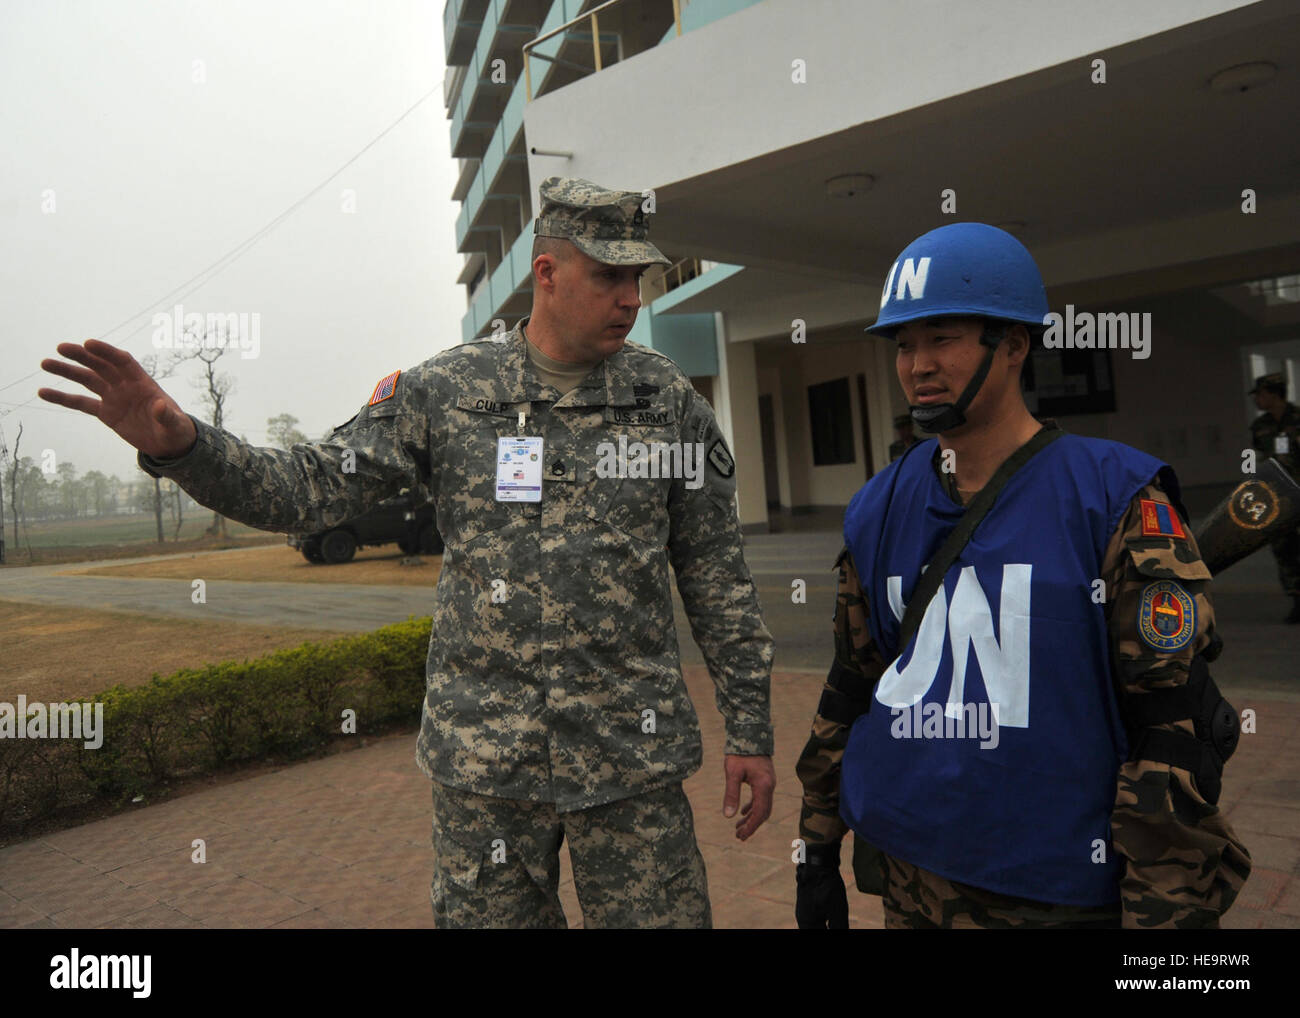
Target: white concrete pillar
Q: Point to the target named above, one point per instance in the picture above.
(736, 407)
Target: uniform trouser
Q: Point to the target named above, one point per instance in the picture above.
(918, 899)
(1286, 550)
(635, 862)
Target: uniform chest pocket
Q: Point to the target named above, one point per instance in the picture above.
(631, 479)
(468, 484)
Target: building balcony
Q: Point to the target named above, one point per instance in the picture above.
(461, 21)
(742, 125)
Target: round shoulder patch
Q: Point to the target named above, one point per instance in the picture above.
(1166, 616)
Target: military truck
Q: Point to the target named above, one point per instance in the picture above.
(409, 522)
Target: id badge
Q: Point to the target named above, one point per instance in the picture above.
(1281, 445)
(519, 469)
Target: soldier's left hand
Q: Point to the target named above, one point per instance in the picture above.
(759, 774)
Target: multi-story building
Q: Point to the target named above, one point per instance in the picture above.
(1145, 153)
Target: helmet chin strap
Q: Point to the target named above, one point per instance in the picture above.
(939, 417)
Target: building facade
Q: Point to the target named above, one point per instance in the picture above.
(1143, 152)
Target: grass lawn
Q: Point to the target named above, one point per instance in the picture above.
(132, 529)
(382, 565)
(55, 653)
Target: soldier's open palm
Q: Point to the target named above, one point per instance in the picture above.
(130, 402)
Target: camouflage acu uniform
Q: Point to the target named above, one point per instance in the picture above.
(553, 670)
(1184, 864)
(636, 863)
(1265, 432)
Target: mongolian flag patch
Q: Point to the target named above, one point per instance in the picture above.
(386, 387)
(1167, 616)
(1160, 519)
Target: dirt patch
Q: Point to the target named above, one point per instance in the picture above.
(284, 565)
(54, 654)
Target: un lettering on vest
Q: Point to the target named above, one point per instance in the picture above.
(966, 621)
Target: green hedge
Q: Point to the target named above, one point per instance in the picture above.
(286, 705)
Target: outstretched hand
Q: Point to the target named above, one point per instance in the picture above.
(130, 402)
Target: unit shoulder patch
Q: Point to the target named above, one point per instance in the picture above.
(1160, 519)
(385, 389)
(721, 459)
(1166, 616)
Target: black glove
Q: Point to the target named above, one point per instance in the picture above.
(821, 903)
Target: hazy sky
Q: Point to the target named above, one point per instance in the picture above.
(155, 175)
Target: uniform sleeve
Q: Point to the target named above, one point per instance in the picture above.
(1183, 863)
(707, 555)
(845, 697)
(313, 486)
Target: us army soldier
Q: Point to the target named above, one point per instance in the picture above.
(555, 705)
(1276, 433)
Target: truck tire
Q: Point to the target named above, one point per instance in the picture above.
(338, 546)
(311, 552)
(430, 540)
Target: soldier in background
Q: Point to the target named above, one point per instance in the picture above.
(903, 436)
(555, 706)
(1037, 819)
(1276, 433)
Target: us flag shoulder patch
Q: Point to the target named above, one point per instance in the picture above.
(386, 387)
(1160, 519)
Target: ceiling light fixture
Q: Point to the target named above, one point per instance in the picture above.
(1243, 77)
(849, 185)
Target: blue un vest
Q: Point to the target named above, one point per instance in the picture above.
(1015, 625)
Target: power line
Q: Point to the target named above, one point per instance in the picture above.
(10, 385)
(231, 256)
(224, 262)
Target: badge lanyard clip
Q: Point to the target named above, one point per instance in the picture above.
(520, 430)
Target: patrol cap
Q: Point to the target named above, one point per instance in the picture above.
(609, 226)
(903, 421)
(1274, 381)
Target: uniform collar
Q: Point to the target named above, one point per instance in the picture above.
(609, 384)
(949, 480)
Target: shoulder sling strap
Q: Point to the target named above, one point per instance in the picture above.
(947, 554)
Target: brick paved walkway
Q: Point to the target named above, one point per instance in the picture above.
(344, 841)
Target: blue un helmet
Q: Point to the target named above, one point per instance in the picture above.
(962, 269)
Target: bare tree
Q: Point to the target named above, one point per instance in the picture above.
(4, 454)
(13, 482)
(215, 388)
(155, 370)
(174, 495)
